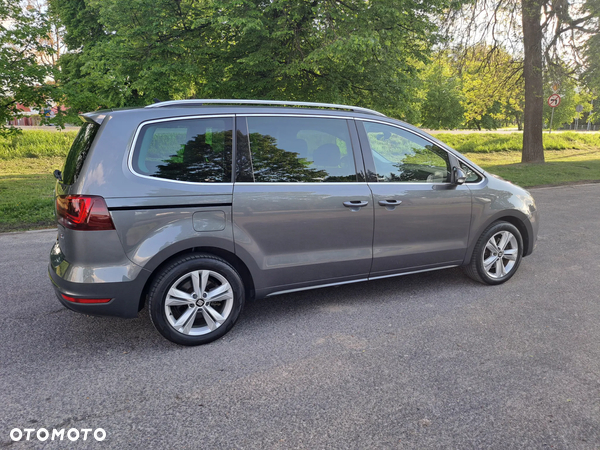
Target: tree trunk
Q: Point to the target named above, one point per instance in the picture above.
(519, 120)
(533, 146)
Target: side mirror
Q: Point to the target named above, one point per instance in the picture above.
(459, 176)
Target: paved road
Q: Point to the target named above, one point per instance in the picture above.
(424, 361)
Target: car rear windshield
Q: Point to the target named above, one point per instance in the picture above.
(78, 153)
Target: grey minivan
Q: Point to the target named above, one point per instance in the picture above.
(194, 206)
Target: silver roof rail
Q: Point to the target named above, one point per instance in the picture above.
(201, 102)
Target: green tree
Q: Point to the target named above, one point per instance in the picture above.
(591, 75)
(492, 86)
(90, 74)
(441, 108)
(352, 51)
(547, 31)
(23, 78)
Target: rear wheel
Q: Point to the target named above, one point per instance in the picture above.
(497, 254)
(196, 299)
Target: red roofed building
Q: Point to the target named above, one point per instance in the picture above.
(32, 118)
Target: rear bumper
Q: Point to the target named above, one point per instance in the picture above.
(125, 297)
(124, 291)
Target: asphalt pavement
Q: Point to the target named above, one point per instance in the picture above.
(423, 361)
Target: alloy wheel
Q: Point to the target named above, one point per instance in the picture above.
(198, 302)
(500, 254)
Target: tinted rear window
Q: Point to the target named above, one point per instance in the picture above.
(79, 151)
(300, 149)
(193, 150)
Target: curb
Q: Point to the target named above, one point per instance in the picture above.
(45, 230)
(567, 184)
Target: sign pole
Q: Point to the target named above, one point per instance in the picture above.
(551, 120)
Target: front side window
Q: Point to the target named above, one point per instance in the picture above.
(193, 150)
(300, 149)
(401, 156)
(472, 176)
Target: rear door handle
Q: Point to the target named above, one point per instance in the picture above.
(390, 202)
(355, 205)
(390, 205)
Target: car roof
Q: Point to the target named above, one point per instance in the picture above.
(219, 106)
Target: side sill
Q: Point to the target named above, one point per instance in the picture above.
(410, 273)
(308, 288)
(289, 291)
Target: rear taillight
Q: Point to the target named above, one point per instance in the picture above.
(83, 212)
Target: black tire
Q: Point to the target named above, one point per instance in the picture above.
(509, 256)
(183, 310)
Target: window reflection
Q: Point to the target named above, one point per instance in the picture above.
(401, 156)
(195, 150)
(292, 149)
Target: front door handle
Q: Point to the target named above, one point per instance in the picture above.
(355, 205)
(390, 205)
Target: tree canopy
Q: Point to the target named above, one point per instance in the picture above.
(442, 105)
(548, 35)
(350, 51)
(23, 77)
(376, 53)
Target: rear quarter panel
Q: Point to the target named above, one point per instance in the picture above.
(154, 218)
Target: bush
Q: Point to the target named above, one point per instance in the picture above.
(496, 142)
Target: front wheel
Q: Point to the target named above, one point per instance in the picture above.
(497, 254)
(196, 299)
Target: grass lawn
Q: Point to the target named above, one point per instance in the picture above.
(502, 142)
(26, 193)
(27, 162)
(561, 167)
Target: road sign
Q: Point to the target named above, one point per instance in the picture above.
(554, 100)
(579, 108)
(555, 87)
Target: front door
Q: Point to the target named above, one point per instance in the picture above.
(421, 219)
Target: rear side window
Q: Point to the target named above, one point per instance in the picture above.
(193, 150)
(78, 152)
(299, 149)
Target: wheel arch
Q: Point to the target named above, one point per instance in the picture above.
(516, 218)
(520, 225)
(227, 256)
